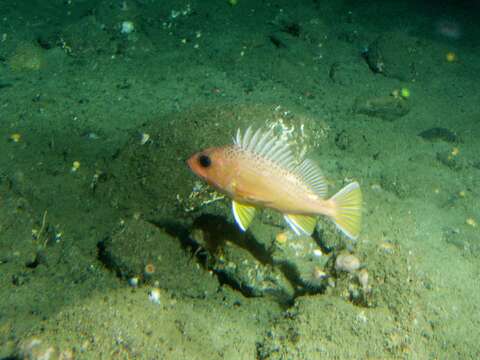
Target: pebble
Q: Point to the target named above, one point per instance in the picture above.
(154, 295)
(347, 262)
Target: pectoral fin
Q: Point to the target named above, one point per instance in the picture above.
(243, 214)
(301, 224)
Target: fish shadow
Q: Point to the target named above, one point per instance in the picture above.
(213, 241)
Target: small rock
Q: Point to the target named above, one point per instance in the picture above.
(154, 295)
(347, 262)
(439, 133)
(453, 162)
(36, 349)
(363, 280)
(385, 107)
(394, 55)
(140, 252)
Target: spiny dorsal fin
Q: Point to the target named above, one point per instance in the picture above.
(267, 145)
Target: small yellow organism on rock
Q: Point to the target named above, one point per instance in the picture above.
(281, 238)
(387, 247)
(451, 57)
(405, 93)
(149, 270)
(15, 137)
(471, 221)
(455, 151)
(75, 166)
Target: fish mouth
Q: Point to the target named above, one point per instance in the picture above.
(192, 163)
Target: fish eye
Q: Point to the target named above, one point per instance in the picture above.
(204, 161)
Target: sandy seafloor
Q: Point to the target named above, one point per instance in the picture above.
(74, 88)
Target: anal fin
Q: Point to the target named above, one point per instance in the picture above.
(243, 214)
(301, 224)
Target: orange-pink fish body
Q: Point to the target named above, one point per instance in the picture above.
(259, 170)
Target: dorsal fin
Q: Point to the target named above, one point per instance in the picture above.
(312, 176)
(267, 145)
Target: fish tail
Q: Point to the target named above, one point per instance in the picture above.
(348, 210)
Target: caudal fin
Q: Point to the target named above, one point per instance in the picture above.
(348, 210)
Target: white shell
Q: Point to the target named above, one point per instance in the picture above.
(154, 295)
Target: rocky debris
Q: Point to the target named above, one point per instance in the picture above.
(453, 237)
(285, 30)
(143, 251)
(343, 140)
(254, 278)
(36, 349)
(394, 55)
(93, 39)
(264, 261)
(242, 260)
(391, 182)
(301, 259)
(353, 277)
(385, 107)
(439, 133)
(450, 159)
(347, 263)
